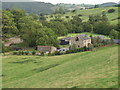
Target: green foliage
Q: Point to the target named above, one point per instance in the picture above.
(34, 7)
(5, 49)
(102, 27)
(59, 10)
(87, 27)
(9, 26)
(35, 16)
(76, 23)
(111, 10)
(42, 54)
(58, 27)
(114, 34)
(33, 52)
(96, 6)
(46, 36)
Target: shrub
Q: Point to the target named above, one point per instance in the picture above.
(56, 53)
(80, 15)
(20, 53)
(42, 54)
(5, 49)
(26, 53)
(73, 11)
(67, 16)
(111, 10)
(15, 53)
(33, 52)
(51, 16)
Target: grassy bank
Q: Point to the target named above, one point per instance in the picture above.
(92, 69)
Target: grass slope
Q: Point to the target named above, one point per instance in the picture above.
(92, 69)
(95, 11)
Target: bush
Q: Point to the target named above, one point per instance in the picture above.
(111, 10)
(80, 15)
(20, 53)
(26, 53)
(15, 53)
(56, 53)
(67, 16)
(77, 50)
(51, 16)
(33, 52)
(73, 11)
(5, 49)
(42, 54)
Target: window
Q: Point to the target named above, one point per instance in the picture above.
(78, 46)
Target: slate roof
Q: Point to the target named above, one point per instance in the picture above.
(83, 37)
(117, 41)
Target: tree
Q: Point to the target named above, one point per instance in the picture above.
(56, 11)
(114, 34)
(17, 14)
(46, 36)
(61, 10)
(9, 26)
(35, 16)
(102, 27)
(76, 25)
(28, 28)
(94, 18)
(111, 10)
(58, 27)
(104, 16)
(87, 27)
(96, 6)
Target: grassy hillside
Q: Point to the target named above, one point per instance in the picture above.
(93, 69)
(30, 7)
(98, 11)
(87, 33)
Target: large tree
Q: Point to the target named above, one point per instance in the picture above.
(9, 26)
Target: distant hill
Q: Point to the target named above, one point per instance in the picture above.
(73, 6)
(35, 7)
(108, 4)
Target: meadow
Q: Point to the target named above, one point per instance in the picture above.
(91, 69)
(85, 14)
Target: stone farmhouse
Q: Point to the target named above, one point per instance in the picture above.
(79, 41)
(13, 40)
(46, 49)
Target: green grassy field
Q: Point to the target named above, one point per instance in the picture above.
(92, 69)
(96, 11)
(87, 33)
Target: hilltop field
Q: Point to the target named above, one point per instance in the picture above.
(91, 69)
(97, 11)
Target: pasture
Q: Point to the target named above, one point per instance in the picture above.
(85, 14)
(91, 69)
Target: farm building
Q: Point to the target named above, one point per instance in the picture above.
(13, 40)
(46, 49)
(79, 41)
